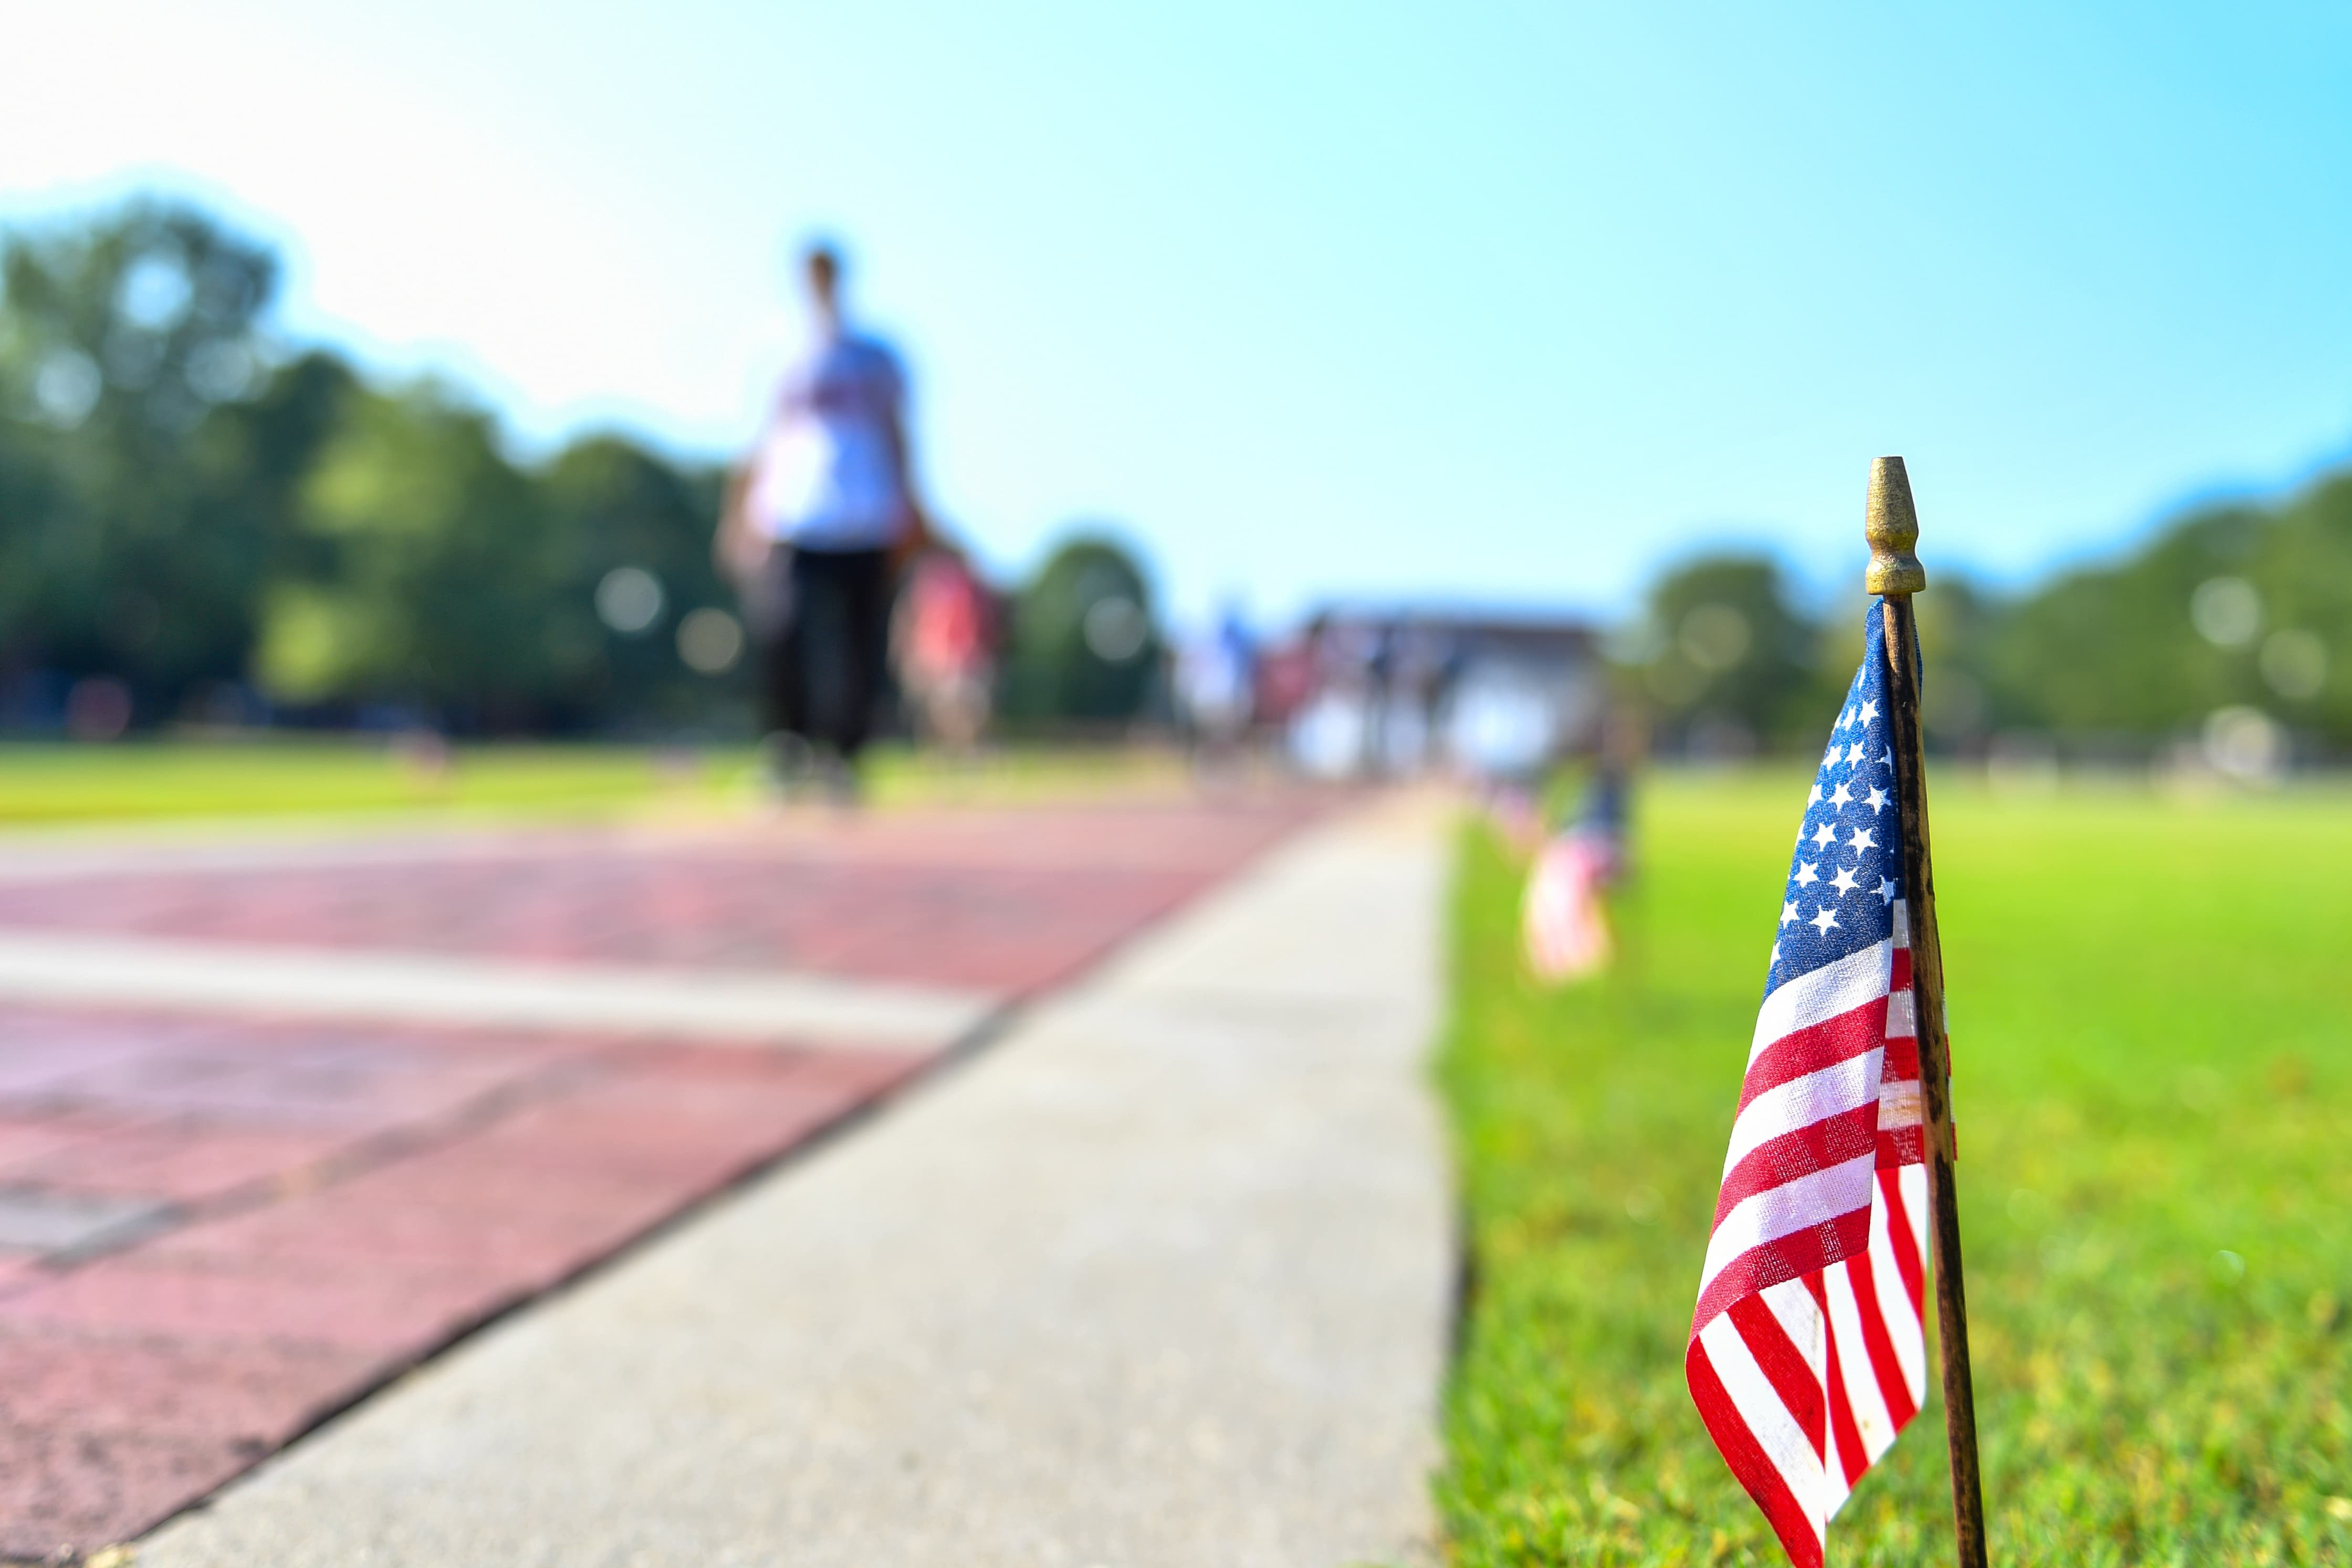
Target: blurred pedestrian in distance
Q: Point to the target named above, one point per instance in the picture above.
(1216, 685)
(816, 521)
(945, 637)
(1286, 680)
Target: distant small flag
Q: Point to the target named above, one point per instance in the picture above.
(1564, 921)
(1807, 1353)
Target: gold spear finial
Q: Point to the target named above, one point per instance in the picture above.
(1892, 525)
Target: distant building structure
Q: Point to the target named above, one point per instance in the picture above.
(1388, 693)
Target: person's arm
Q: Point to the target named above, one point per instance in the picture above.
(738, 548)
(916, 534)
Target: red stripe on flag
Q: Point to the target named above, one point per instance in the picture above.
(1750, 1464)
(1902, 1058)
(1815, 1046)
(1900, 1146)
(1781, 1259)
(1783, 1366)
(1898, 1229)
(1853, 1457)
(1801, 1151)
(1878, 1343)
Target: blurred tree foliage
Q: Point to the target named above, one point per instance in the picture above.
(2227, 609)
(228, 527)
(1084, 646)
(1728, 661)
(146, 485)
(2240, 605)
(187, 509)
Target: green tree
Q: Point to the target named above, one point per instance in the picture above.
(1727, 660)
(140, 496)
(614, 507)
(1085, 647)
(2233, 605)
(182, 503)
(2303, 652)
(1959, 622)
(434, 571)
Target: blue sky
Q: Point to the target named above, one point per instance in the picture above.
(1504, 303)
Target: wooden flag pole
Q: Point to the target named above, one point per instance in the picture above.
(1891, 524)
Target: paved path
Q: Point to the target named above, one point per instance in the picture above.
(277, 1119)
(1160, 1278)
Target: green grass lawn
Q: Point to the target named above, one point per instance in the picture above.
(44, 785)
(161, 780)
(2151, 1006)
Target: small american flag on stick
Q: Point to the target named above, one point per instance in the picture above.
(1807, 1350)
(1807, 1353)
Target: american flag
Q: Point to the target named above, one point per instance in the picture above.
(1563, 923)
(1807, 1353)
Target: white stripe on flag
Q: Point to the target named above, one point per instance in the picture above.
(1894, 1309)
(1914, 1180)
(1799, 1318)
(1901, 1022)
(1862, 1395)
(1820, 995)
(1776, 1431)
(1903, 1320)
(1791, 1207)
(1802, 1101)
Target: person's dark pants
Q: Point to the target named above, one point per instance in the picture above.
(826, 659)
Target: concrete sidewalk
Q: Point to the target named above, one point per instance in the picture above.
(1162, 1277)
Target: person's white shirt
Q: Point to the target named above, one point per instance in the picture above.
(830, 475)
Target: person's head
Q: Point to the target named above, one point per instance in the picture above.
(821, 273)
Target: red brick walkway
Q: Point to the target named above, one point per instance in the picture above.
(215, 1230)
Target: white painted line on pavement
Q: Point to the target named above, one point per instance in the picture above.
(724, 1005)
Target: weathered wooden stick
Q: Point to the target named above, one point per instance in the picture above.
(1893, 527)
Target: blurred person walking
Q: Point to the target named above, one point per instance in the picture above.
(1216, 687)
(816, 521)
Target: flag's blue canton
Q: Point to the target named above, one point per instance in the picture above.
(1847, 871)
